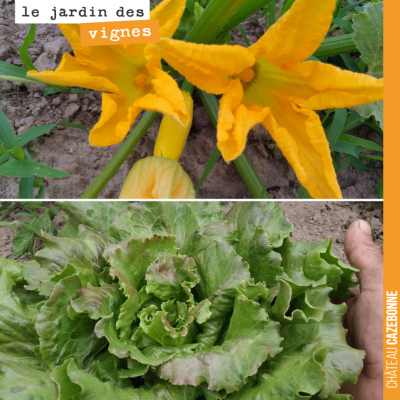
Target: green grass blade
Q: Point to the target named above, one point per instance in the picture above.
(13, 70)
(359, 165)
(336, 129)
(350, 7)
(37, 131)
(346, 26)
(350, 63)
(338, 7)
(215, 156)
(26, 188)
(286, 7)
(7, 136)
(347, 148)
(41, 192)
(23, 51)
(375, 127)
(271, 14)
(27, 168)
(377, 158)
(243, 33)
(367, 144)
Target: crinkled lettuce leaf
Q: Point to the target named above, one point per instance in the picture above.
(175, 300)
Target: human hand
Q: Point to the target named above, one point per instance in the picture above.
(364, 316)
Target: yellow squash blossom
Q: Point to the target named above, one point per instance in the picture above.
(130, 74)
(270, 83)
(157, 178)
(172, 136)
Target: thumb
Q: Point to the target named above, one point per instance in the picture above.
(364, 255)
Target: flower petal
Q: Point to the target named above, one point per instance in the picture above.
(103, 58)
(301, 137)
(297, 35)
(169, 12)
(116, 120)
(166, 88)
(72, 73)
(157, 178)
(209, 67)
(235, 121)
(337, 88)
(152, 102)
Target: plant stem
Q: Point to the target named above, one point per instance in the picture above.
(213, 19)
(250, 177)
(334, 46)
(120, 156)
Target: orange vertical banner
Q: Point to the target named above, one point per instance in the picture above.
(391, 204)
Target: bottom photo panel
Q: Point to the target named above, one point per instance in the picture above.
(191, 300)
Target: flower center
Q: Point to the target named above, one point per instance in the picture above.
(247, 75)
(141, 80)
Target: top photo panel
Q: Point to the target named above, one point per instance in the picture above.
(186, 99)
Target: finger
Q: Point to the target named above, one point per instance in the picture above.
(364, 255)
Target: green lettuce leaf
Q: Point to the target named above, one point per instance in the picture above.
(23, 374)
(75, 384)
(60, 336)
(250, 339)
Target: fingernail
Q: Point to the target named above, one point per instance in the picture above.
(364, 226)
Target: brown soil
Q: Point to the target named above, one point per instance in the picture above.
(313, 221)
(68, 149)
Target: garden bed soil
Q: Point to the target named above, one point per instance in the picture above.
(68, 149)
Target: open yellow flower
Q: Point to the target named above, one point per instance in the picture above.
(270, 83)
(131, 74)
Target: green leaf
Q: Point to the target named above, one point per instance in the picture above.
(13, 70)
(37, 131)
(76, 384)
(181, 219)
(82, 255)
(7, 136)
(26, 188)
(247, 216)
(336, 129)
(367, 144)
(23, 374)
(250, 339)
(346, 26)
(28, 168)
(55, 328)
(130, 259)
(372, 109)
(96, 215)
(347, 148)
(368, 38)
(97, 302)
(12, 268)
(220, 270)
(24, 240)
(23, 51)
(171, 278)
